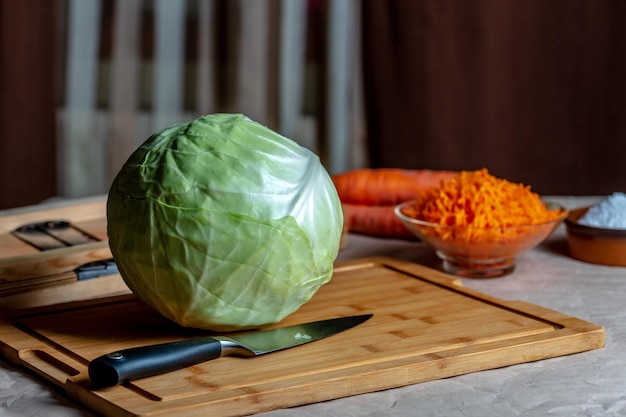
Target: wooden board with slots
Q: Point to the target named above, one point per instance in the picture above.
(49, 252)
(425, 326)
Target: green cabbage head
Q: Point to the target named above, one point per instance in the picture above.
(222, 224)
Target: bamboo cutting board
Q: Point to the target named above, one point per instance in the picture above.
(425, 326)
(34, 276)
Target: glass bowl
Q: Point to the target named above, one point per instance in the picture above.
(479, 252)
(595, 244)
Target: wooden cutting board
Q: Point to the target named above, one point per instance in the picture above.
(425, 326)
(31, 276)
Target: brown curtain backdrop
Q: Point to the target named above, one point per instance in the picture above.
(533, 90)
(27, 102)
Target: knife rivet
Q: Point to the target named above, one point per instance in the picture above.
(115, 355)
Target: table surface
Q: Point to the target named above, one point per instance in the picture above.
(585, 384)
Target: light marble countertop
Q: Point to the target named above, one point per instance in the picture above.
(586, 384)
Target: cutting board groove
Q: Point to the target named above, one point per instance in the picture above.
(426, 326)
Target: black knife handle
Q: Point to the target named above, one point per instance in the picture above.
(129, 364)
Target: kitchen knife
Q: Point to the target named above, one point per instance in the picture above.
(134, 363)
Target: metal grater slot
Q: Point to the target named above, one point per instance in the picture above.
(67, 233)
(52, 234)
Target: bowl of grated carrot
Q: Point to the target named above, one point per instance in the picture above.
(478, 224)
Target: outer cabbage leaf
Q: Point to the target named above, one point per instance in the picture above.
(223, 224)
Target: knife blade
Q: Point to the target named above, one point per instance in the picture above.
(140, 362)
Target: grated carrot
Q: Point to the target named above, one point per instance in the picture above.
(480, 208)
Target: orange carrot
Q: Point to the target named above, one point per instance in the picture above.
(369, 197)
(379, 221)
(386, 186)
(482, 210)
(480, 200)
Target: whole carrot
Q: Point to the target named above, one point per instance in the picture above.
(369, 196)
(379, 221)
(386, 186)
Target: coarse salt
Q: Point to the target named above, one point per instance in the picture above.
(609, 213)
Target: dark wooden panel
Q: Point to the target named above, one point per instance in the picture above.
(27, 102)
(535, 91)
